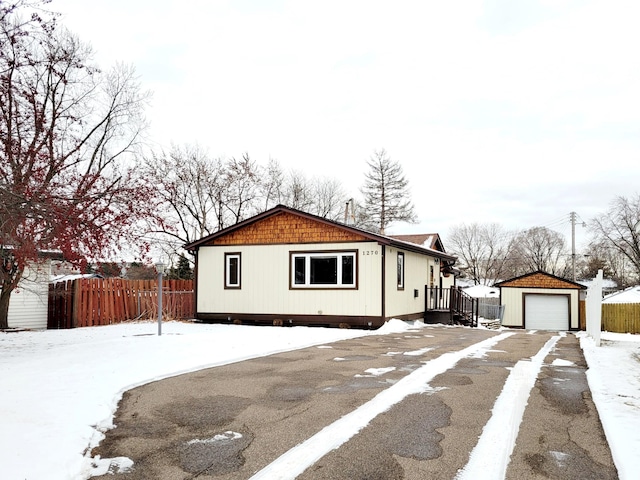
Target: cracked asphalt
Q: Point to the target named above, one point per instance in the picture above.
(230, 422)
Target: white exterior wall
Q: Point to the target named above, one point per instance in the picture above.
(448, 282)
(416, 276)
(265, 282)
(512, 297)
(28, 304)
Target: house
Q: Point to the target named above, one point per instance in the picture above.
(628, 295)
(540, 301)
(285, 266)
(28, 302)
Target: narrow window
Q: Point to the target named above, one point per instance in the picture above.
(231, 270)
(400, 271)
(300, 273)
(347, 270)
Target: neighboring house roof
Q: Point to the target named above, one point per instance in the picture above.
(628, 295)
(539, 279)
(429, 240)
(482, 291)
(607, 283)
(76, 276)
(363, 234)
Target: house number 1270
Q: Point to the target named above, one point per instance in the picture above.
(370, 252)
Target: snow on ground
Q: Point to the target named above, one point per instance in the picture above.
(614, 380)
(60, 388)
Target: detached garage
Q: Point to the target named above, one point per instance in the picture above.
(540, 301)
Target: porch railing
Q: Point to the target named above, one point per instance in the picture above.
(462, 308)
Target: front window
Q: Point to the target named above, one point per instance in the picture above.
(231, 270)
(323, 270)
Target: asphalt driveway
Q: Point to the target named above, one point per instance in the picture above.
(239, 421)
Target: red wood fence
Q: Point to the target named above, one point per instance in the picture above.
(93, 301)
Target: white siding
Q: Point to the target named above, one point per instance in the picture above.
(416, 276)
(513, 299)
(28, 303)
(265, 282)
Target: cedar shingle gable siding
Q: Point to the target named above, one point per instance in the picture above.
(286, 228)
(538, 280)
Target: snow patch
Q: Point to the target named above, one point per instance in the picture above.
(376, 372)
(112, 466)
(559, 362)
(417, 353)
(560, 457)
(228, 435)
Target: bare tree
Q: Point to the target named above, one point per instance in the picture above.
(272, 185)
(297, 191)
(599, 256)
(64, 127)
(386, 192)
(329, 198)
(242, 184)
(186, 181)
(483, 251)
(619, 229)
(539, 248)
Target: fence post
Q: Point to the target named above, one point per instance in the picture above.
(594, 308)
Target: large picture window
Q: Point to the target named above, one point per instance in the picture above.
(231, 270)
(323, 269)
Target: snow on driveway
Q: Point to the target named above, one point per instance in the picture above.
(60, 388)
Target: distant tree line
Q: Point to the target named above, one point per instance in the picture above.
(488, 253)
(200, 194)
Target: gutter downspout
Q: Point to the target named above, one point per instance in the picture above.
(195, 284)
(383, 289)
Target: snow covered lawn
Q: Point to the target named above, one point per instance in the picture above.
(60, 388)
(614, 380)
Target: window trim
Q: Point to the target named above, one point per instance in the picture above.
(400, 271)
(228, 256)
(307, 254)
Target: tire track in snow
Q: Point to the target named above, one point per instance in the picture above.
(490, 457)
(295, 461)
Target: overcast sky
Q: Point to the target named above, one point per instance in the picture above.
(515, 112)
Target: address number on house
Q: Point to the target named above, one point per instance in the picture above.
(370, 252)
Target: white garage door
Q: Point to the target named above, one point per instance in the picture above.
(546, 312)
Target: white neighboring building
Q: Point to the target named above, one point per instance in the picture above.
(482, 291)
(28, 306)
(628, 295)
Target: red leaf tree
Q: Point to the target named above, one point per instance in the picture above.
(66, 129)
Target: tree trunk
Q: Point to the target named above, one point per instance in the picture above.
(5, 295)
(8, 285)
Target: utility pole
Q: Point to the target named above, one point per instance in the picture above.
(572, 216)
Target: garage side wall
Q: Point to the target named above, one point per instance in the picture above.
(513, 298)
(28, 304)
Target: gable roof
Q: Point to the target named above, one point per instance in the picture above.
(539, 279)
(429, 240)
(360, 233)
(628, 295)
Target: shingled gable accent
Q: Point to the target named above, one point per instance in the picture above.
(539, 280)
(286, 227)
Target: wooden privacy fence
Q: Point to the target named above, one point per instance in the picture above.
(92, 301)
(621, 317)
